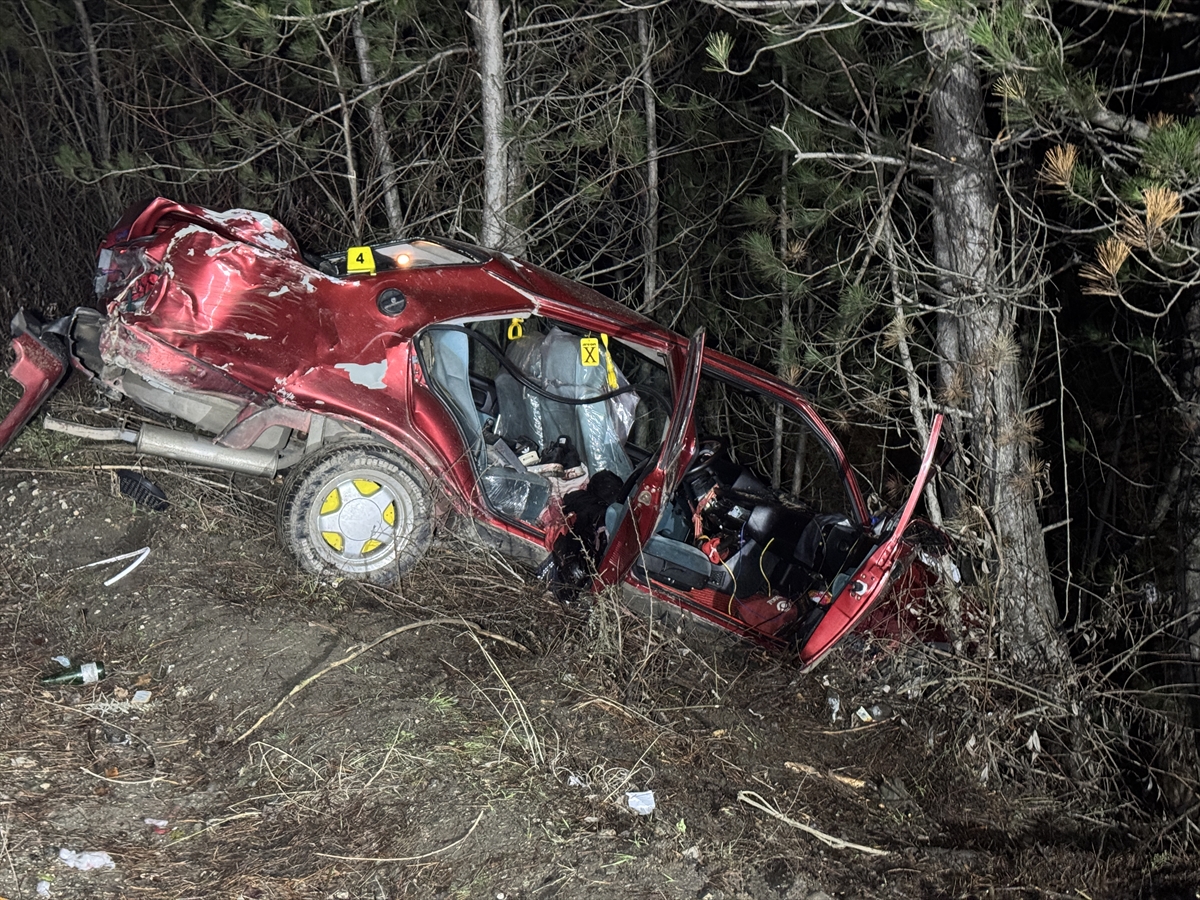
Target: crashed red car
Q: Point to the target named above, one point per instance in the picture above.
(561, 424)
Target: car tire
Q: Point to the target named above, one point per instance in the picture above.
(356, 510)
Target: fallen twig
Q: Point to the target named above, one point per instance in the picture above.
(804, 769)
(157, 779)
(753, 799)
(209, 826)
(395, 859)
(359, 652)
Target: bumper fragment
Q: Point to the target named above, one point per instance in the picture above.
(41, 365)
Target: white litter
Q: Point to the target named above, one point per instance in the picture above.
(64, 661)
(641, 802)
(86, 860)
(138, 557)
(1034, 744)
(43, 889)
(140, 698)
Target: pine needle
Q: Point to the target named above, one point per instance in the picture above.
(1162, 205)
(1059, 164)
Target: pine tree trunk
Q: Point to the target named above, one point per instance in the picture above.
(379, 130)
(1188, 514)
(489, 38)
(979, 356)
(103, 139)
(650, 226)
(357, 216)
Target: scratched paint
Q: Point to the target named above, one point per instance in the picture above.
(370, 375)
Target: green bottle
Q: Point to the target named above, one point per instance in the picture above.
(87, 673)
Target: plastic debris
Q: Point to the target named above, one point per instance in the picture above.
(835, 704)
(138, 557)
(575, 781)
(876, 712)
(142, 490)
(64, 661)
(43, 888)
(160, 826)
(641, 802)
(1034, 744)
(86, 860)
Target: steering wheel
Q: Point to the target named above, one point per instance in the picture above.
(707, 453)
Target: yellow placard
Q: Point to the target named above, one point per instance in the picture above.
(589, 351)
(612, 372)
(360, 261)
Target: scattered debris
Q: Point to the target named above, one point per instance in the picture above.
(835, 704)
(641, 802)
(877, 712)
(86, 860)
(142, 490)
(85, 673)
(138, 557)
(160, 826)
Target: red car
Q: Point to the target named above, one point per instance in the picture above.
(405, 379)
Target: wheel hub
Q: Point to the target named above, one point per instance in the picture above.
(358, 517)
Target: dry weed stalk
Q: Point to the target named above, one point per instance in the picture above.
(523, 728)
(474, 631)
(751, 798)
(1085, 736)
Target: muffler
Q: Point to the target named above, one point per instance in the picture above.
(179, 445)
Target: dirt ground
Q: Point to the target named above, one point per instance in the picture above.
(488, 755)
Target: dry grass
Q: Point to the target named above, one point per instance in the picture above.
(478, 761)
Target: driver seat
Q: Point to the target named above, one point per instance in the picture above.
(670, 561)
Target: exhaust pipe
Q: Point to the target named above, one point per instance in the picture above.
(179, 445)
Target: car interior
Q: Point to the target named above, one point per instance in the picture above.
(544, 409)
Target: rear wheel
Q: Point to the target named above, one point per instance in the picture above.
(361, 511)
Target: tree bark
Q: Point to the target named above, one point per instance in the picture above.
(103, 138)
(1188, 512)
(650, 226)
(979, 356)
(489, 38)
(379, 130)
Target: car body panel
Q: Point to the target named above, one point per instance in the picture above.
(39, 368)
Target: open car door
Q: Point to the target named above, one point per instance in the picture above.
(645, 502)
(872, 579)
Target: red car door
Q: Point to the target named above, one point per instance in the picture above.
(872, 579)
(644, 507)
